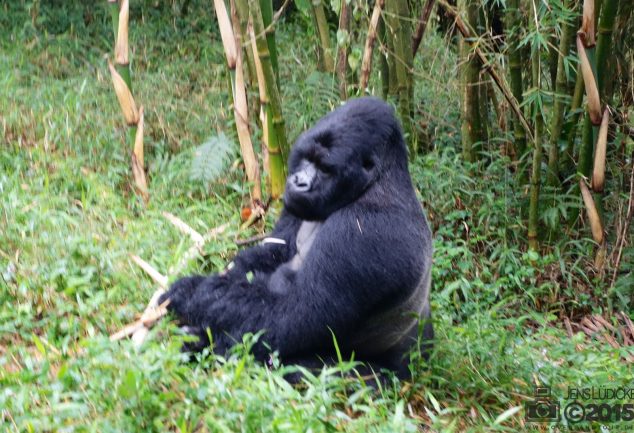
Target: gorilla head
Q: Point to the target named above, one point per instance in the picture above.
(333, 163)
(349, 256)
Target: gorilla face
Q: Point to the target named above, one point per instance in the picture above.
(334, 163)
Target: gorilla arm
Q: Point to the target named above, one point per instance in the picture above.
(259, 258)
(339, 284)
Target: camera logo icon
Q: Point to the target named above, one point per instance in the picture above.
(542, 409)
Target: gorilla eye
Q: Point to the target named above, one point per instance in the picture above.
(327, 169)
(325, 140)
(368, 164)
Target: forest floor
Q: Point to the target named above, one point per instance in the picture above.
(70, 221)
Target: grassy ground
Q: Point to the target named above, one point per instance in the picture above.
(69, 222)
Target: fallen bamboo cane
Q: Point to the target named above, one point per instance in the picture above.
(147, 320)
(139, 329)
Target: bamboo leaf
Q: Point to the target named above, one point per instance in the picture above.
(592, 91)
(593, 213)
(126, 101)
(598, 173)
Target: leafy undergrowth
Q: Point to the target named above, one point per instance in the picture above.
(70, 221)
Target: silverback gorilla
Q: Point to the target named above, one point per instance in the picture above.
(349, 256)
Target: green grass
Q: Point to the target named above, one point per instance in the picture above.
(69, 221)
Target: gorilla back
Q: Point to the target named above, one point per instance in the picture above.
(350, 255)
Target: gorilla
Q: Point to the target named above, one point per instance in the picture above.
(349, 256)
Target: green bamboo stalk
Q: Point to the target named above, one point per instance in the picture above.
(483, 113)
(122, 81)
(266, 7)
(598, 61)
(557, 118)
(242, 8)
(277, 142)
(589, 132)
(326, 60)
(470, 76)
(514, 23)
(603, 57)
(571, 124)
(535, 184)
(397, 14)
(113, 5)
(586, 151)
(604, 41)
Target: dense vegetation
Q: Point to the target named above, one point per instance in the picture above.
(70, 220)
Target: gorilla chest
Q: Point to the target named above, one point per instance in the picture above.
(306, 236)
(281, 280)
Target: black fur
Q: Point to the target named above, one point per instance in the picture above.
(356, 280)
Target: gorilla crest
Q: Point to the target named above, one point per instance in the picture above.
(350, 255)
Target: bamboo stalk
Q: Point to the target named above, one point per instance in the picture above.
(326, 60)
(366, 63)
(557, 119)
(113, 5)
(121, 55)
(342, 52)
(271, 105)
(514, 23)
(241, 114)
(242, 9)
(226, 33)
(122, 83)
(266, 7)
(417, 37)
(535, 181)
(585, 51)
(472, 131)
(397, 12)
(231, 41)
(138, 166)
(604, 41)
(595, 71)
(573, 119)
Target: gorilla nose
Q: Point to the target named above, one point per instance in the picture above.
(302, 180)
